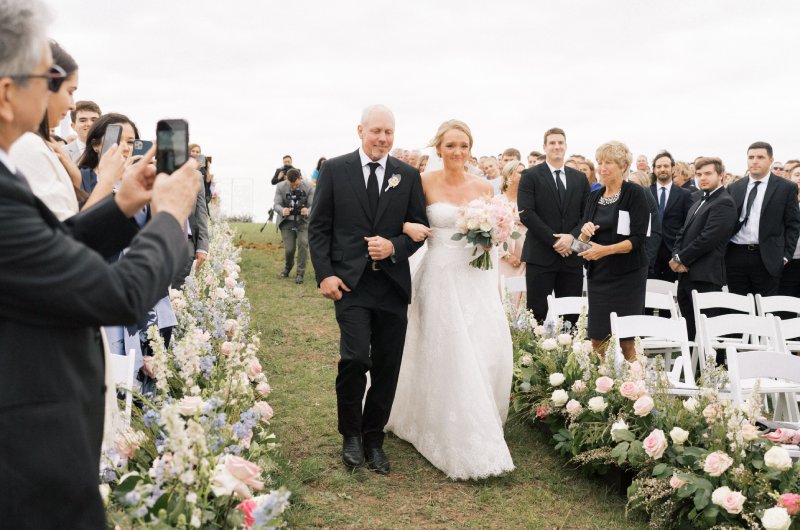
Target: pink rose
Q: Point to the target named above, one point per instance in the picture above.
(675, 482)
(643, 406)
(230, 283)
(604, 384)
(636, 370)
(731, 501)
(628, 389)
(655, 444)
(253, 369)
(227, 348)
(573, 407)
(542, 411)
(790, 501)
(247, 508)
(263, 389)
(264, 410)
(235, 476)
(717, 463)
(750, 432)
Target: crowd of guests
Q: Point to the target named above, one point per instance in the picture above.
(91, 243)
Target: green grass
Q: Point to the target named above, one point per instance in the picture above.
(299, 349)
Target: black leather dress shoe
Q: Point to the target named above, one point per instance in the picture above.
(377, 461)
(352, 452)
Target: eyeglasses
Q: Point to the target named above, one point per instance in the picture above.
(777, 168)
(55, 77)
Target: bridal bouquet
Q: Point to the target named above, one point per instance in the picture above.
(486, 222)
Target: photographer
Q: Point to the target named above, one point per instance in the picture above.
(281, 173)
(293, 199)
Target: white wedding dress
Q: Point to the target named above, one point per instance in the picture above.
(455, 378)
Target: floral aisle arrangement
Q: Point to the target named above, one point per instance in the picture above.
(698, 462)
(486, 222)
(198, 452)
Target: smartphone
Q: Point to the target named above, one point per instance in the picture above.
(202, 160)
(579, 246)
(140, 147)
(172, 145)
(111, 137)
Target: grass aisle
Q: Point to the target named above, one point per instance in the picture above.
(299, 348)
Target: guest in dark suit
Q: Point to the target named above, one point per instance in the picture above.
(197, 244)
(551, 201)
(699, 251)
(360, 256)
(790, 280)
(56, 289)
(765, 236)
(673, 205)
(616, 222)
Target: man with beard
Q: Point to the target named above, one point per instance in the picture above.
(673, 205)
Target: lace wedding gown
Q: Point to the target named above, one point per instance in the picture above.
(455, 378)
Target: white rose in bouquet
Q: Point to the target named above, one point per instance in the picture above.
(778, 458)
(560, 397)
(690, 404)
(776, 519)
(557, 379)
(616, 428)
(597, 404)
(678, 435)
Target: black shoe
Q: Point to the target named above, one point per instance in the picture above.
(352, 452)
(377, 461)
(284, 274)
(298, 279)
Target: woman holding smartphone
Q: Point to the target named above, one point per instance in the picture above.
(615, 223)
(101, 173)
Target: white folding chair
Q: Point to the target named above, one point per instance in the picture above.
(790, 331)
(512, 284)
(759, 333)
(667, 335)
(720, 300)
(663, 287)
(122, 371)
(774, 367)
(566, 305)
(777, 304)
(661, 301)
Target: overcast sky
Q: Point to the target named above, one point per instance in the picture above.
(257, 80)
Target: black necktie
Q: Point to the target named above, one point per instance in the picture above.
(662, 203)
(750, 200)
(562, 191)
(372, 188)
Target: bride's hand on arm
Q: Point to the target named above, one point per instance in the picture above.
(416, 231)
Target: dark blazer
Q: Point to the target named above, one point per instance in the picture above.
(633, 200)
(779, 224)
(56, 289)
(680, 199)
(701, 243)
(689, 185)
(341, 219)
(198, 220)
(541, 211)
(654, 239)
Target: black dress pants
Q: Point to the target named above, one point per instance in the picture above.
(372, 323)
(542, 281)
(746, 272)
(790, 279)
(661, 269)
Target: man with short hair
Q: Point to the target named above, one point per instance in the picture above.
(673, 205)
(533, 158)
(551, 201)
(293, 199)
(280, 173)
(57, 289)
(698, 254)
(509, 155)
(788, 166)
(767, 229)
(83, 117)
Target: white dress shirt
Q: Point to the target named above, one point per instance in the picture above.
(6, 161)
(562, 175)
(668, 186)
(748, 235)
(379, 171)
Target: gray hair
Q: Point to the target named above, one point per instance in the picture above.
(373, 109)
(23, 34)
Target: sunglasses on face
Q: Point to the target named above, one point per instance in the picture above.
(55, 77)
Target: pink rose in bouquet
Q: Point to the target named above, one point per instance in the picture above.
(486, 222)
(790, 501)
(247, 508)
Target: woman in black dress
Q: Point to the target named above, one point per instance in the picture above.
(616, 221)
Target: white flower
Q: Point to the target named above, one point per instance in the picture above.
(238, 293)
(577, 348)
(190, 405)
(678, 435)
(220, 293)
(749, 432)
(690, 404)
(525, 387)
(565, 339)
(526, 360)
(105, 491)
(579, 386)
(263, 389)
(618, 427)
(587, 347)
(560, 397)
(597, 404)
(778, 458)
(394, 180)
(539, 331)
(191, 497)
(711, 411)
(731, 501)
(776, 519)
(230, 283)
(549, 344)
(574, 407)
(557, 379)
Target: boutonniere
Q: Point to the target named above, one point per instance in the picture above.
(394, 180)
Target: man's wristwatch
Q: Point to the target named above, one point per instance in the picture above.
(677, 259)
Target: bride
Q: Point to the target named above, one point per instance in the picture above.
(455, 378)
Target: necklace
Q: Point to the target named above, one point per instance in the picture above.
(605, 201)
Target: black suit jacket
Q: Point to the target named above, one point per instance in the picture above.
(56, 289)
(341, 219)
(544, 215)
(779, 224)
(701, 243)
(680, 199)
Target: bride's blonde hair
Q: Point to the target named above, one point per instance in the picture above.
(448, 126)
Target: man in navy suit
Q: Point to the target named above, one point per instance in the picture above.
(673, 205)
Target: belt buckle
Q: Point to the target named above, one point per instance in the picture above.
(374, 265)
(752, 247)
